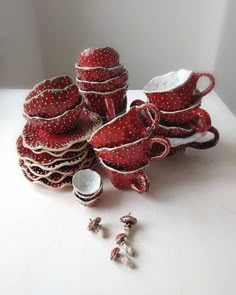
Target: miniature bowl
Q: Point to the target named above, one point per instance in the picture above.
(98, 74)
(52, 102)
(105, 86)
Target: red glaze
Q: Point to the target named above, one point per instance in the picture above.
(53, 83)
(61, 124)
(182, 96)
(108, 85)
(173, 131)
(35, 138)
(135, 180)
(136, 154)
(197, 118)
(98, 74)
(43, 158)
(99, 57)
(137, 123)
(97, 101)
(51, 103)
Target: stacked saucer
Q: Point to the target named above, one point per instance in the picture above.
(183, 122)
(102, 81)
(53, 145)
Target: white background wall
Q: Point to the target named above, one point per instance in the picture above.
(20, 53)
(153, 37)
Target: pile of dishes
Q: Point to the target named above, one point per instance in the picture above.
(53, 145)
(102, 81)
(124, 146)
(183, 121)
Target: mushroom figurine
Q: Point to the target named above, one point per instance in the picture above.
(95, 226)
(115, 255)
(121, 240)
(128, 221)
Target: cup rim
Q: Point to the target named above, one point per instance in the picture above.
(123, 145)
(120, 65)
(197, 103)
(104, 93)
(111, 122)
(49, 90)
(188, 74)
(101, 82)
(119, 171)
(57, 117)
(174, 128)
(176, 141)
(90, 171)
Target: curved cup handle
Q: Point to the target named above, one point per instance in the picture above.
(210, 86)
(162, 141)
(137, 102)
(141, 183)
(206, 144)
(202, 122)
(152, 116)
(111, 113)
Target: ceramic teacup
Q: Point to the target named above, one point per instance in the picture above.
(197, 118)
(62, 123)
(134, 155)
(176, 90)
(136, 179)
(194, 117)
(105, 104)
(135, 124)
(105, 86)
(173, 130)
(98, 73)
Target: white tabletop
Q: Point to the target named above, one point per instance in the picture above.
(185, 238)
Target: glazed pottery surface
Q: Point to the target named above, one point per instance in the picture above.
(176, 90)
(136, 180)
(134, 155)
(137, 123)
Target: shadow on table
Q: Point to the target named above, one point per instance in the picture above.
(180, 170)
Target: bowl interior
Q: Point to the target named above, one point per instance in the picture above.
(86, 182)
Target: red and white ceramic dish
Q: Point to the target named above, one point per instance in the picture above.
(35, 138)
(176, 90)
(134, 155)
(99, 57)
(98, 74)
(135, 180)
(52, 102)
(105, 103)
(45, 158)
(105, 86)
(59, 82)
(137, 123)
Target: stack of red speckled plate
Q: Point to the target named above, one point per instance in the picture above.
(53, 144)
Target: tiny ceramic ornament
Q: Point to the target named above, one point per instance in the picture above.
(88, 186)
(121, 241)
(96, 227)
(129, 221)
(116, 256)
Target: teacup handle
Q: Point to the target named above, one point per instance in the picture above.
(211, 85)
(162, 141)
(110, 108)
(206, 144)
(141, 183)
(137, 102)
(203, 116)
(152, 121)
